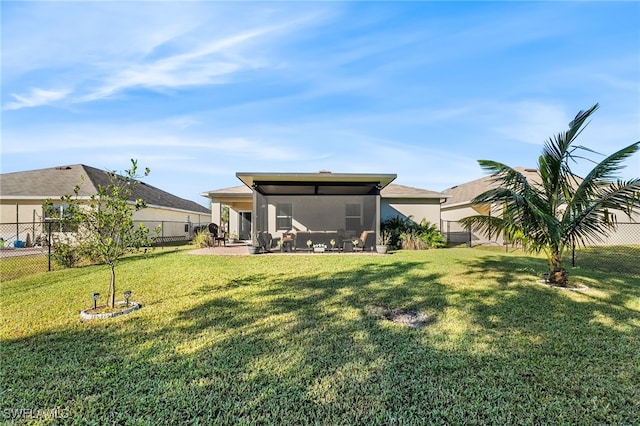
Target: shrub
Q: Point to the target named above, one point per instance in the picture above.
(430, 236)
(201, 239)
(395, 227)
(66, 254)
(406, 234)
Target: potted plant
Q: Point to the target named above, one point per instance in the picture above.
(319, 248)
(333, 244)
(355, 243)
(383, 243)
(309, 244)
(252, 249)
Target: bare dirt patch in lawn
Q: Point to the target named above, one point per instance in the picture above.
(402, 317)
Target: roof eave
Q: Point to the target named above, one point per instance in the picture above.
(415, 196)
(248, 178)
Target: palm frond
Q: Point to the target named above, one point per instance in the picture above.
(602, 174)
(578, 124)
(557, 154)
(487, 225)
(594, 218)
(562, 209)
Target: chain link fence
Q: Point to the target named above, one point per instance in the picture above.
(27, 248)
(619, 250)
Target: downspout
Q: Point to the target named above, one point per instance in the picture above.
(442, 201)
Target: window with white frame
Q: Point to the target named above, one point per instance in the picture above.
(60, 215)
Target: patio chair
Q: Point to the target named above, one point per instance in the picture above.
(288, 241)
(215, 235)
(265, 240)
(367, 240)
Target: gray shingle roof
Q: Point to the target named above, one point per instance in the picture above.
(57, 181)
(465, 192)
(394, 190)
(233, 191)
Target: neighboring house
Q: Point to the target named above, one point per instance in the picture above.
(458, 205)
(319, 206)
(22, 195)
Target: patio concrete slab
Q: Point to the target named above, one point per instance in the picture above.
(241, 249)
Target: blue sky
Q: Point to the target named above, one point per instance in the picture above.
(198, 91)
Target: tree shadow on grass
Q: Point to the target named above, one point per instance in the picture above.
(619, 260)
(506, 270)
(300, 348)
(222, 358)
(510, 270)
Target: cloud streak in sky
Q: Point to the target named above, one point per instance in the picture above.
(35, 97)
(201, 90)
(200, 53)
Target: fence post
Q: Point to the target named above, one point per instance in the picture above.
(49, 243)
(17, 222)
(448, 230)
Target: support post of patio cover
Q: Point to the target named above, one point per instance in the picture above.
(378, 218)
(254, 216)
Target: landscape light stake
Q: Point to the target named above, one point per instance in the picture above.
(95, 297)
(127, 295)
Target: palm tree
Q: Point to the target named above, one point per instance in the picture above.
(561, 210)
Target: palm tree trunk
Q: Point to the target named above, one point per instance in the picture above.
(558, 276)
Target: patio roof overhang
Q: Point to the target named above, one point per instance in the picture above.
(323, 183)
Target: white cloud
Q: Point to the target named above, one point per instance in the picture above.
(201, 66)
(99, 51)
(36, 97)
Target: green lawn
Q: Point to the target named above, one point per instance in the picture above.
(276, 339)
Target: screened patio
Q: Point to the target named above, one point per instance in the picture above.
(302, 210)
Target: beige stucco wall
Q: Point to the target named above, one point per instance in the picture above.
(162, 214)
(216, 212)
(623, 217)
(627, 232)
(25, 210)
(234, 221)
(450, 217)
(462, 211)
(417, 208)
(29, 215)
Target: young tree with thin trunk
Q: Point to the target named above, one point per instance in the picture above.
(105, 227)
(561, 210)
